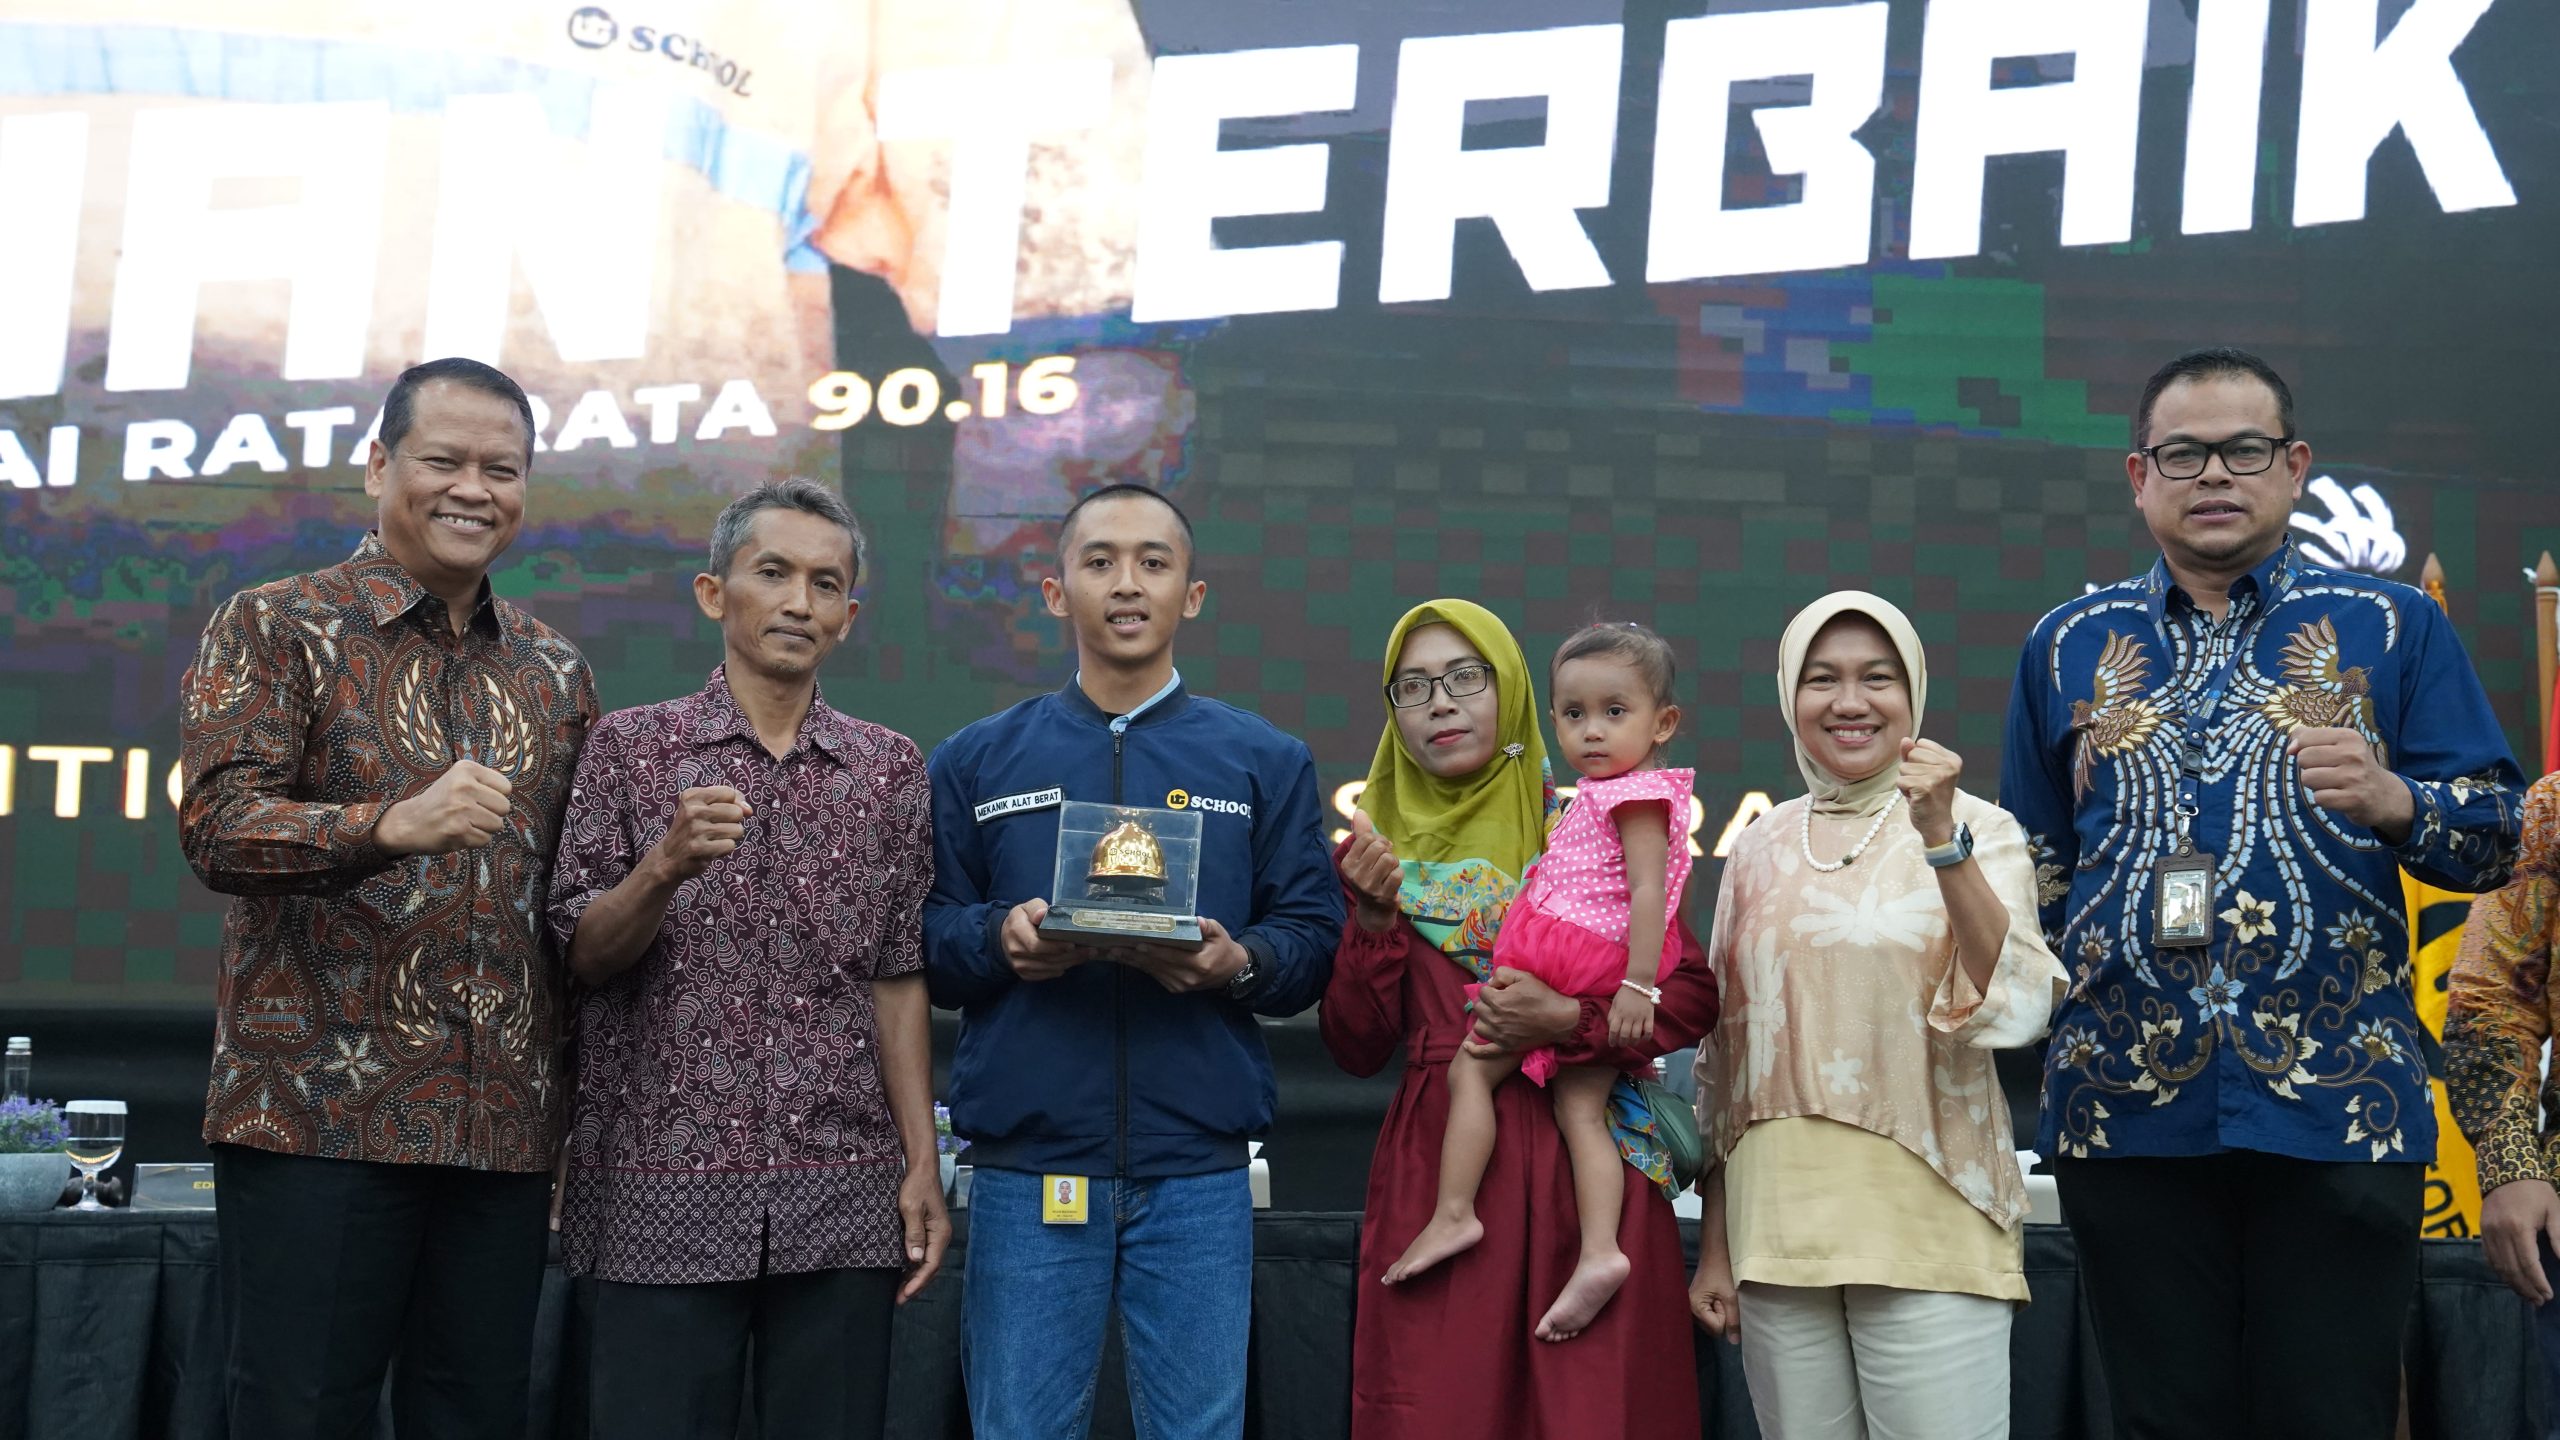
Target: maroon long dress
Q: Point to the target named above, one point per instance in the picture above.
(1452, 1352)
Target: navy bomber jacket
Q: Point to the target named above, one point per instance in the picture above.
(1100, 1071)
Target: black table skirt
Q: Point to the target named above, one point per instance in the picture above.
(110, 1329)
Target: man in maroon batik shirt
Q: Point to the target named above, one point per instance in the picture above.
(739, 888)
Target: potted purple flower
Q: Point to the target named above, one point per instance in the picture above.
(950, 1147)
(32, 1165)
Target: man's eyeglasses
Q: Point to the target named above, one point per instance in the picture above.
(1460, 682)
(2241, 455)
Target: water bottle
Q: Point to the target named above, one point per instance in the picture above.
(15, 1070)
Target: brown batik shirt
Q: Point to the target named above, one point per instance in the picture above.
(732, 1118)
(403, 1010)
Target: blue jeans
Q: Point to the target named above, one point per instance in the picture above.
(1177, 1257)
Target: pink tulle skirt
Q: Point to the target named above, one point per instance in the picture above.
(1568, 960)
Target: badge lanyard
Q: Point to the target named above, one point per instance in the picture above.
(2183, 903)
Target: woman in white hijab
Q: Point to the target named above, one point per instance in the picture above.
(1875, 940)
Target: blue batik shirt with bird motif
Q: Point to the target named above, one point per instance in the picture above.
(2293, 1031)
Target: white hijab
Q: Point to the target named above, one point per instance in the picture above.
(1832, 795)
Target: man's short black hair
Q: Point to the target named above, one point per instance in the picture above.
(2205, 365)
(1123, 490)
(399, 408)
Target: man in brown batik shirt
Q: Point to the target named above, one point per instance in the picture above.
(377, 756)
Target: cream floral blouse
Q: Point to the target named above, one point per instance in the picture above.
(1841, 996)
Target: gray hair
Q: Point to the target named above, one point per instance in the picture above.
(737, 521)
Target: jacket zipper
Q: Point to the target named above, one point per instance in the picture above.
(1119, 981)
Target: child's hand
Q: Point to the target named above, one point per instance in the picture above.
(1630, 1019)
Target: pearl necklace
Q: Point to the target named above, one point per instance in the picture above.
(1804, 838)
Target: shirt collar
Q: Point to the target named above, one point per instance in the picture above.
(390, 591)
(717, 717)
(2268, 578)
(1165, 702)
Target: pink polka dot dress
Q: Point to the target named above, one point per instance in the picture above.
(1569, 925)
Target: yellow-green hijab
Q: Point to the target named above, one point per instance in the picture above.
(1465, 842)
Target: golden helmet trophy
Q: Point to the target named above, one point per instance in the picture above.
(1128, 862)
(1126, 875)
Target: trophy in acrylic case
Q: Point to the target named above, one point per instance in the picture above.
(1126, 874)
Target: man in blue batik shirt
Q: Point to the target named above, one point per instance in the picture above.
(2237, 1110)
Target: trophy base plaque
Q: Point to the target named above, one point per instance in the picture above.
(1106, 925)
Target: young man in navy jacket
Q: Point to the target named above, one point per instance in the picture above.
(1107, 1105)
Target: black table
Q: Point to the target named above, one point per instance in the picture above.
(110, 1330)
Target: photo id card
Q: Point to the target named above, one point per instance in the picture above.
(1063, 1199)
(2182, 901)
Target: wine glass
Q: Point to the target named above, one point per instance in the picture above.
(93, 1139)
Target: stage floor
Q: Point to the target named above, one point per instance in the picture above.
(110, 1326)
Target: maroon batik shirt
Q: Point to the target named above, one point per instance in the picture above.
(731, 1118)
(403, 1010)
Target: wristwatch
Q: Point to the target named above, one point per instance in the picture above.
(1954, 852)
(1242, 982)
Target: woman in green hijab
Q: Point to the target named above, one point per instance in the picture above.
(1457, 805)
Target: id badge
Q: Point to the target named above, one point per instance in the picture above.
(1063, 1199)
(2182, 901)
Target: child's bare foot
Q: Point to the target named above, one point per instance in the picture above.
(1439, 1240)
(1592, 1284)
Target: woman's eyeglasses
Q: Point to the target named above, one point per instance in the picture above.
(1461, 681)
(2241, 455)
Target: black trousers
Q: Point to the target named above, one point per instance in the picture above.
(2247, 1295)
(669, 1362)
(2546, 1335)
(334, 1268)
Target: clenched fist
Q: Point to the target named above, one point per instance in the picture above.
(709, 822)
(464, 809)
(2343, 774)
(1369, 866)
(1928, 782)
(1714, 1298)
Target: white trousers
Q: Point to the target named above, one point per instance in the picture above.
(1867, 1362)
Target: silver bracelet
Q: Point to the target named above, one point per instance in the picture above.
(1651, 993)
